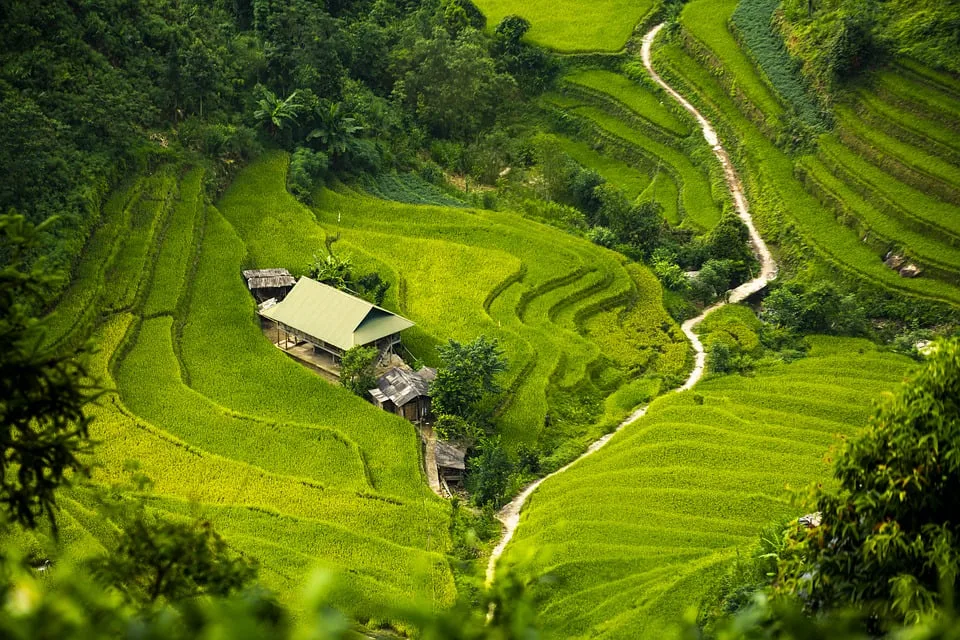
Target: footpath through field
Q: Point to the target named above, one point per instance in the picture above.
(510, 514)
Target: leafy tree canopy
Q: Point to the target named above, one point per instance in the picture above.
(468, 373)
(889, 541)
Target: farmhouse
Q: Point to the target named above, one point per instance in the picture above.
(405, 393)
(265, 284)
(332, 321)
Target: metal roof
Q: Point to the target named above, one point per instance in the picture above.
(400, 386)
(268, 278)
(449, 456)
(335, 317)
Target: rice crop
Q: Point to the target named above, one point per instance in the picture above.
(630, 537)
(639, 99)
(568, 26)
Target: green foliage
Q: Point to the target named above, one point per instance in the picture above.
(332, 270)
(754, 23)
(817, 309)
(356, 370)
(488, 472)
(307, 168)
(277, 113)
(455, 428)
(886, 542)
(165, 561)
(43, 417)
(452, 84)
(466, 376)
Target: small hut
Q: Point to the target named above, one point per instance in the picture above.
(450, 463)
(265, 284)
(405, 393)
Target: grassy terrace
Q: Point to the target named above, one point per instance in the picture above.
(706, 20)
(569, 26)
(777, 192)
(914, 207)
(227, 426)
(930, 251)
(695, 202)
(635, 534)
(638, 99)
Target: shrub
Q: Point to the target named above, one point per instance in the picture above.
(356, 370)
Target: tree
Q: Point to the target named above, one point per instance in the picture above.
(43, 390)
(467, 375)
(489, 472)
(171, 560)
(337, 131)
(356, 369)
(456, 428)
(275, 113)
(888, 542)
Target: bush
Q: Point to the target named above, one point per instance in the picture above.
(356, 370)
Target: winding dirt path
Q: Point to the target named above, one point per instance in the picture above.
(510, 514)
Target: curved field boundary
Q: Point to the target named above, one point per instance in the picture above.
(510, 514)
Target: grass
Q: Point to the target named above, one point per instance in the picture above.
(178, 247)
(927, 249)
(635, 97)
(925, 212)
(886, 150)
(629, 179)
(568, 26)
(629, 538)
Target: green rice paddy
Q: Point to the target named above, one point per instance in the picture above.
(568, 26)
(631, 537)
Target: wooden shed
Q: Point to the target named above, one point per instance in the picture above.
(405, 393)
(451, 463)
(265, 284)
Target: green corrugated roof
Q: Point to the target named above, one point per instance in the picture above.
(333, 316)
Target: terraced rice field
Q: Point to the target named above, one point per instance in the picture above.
(630, 537)
(886, 175)
(632, 123)
(293, 471)
(569, 26)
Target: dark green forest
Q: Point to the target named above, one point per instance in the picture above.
(92, 91)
